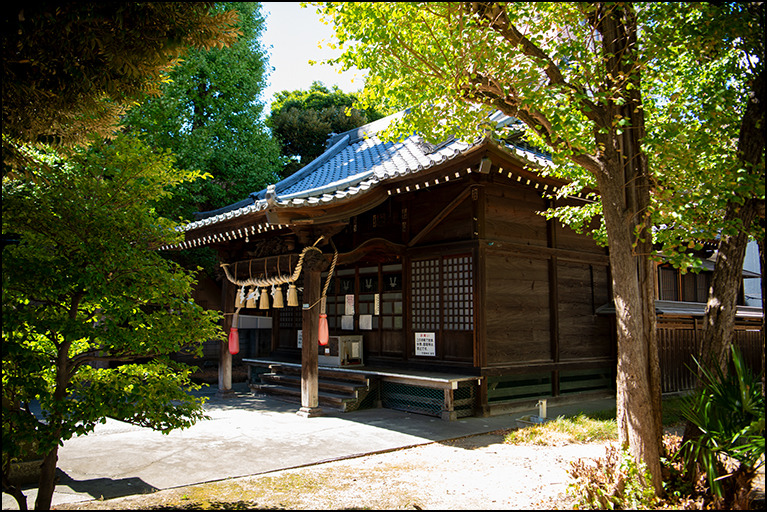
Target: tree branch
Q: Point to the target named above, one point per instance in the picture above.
(494, 16)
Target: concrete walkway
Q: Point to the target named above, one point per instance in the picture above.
(246, 435)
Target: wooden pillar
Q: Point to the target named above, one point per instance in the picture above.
(309, 351)
(551, 235)
(448, 407)
(228, 293)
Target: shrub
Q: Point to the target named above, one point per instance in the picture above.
(729, 412)
(615, 482)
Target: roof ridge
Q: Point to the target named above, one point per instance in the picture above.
(307, 169)
(373, 127)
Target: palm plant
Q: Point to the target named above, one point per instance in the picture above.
(729, 411)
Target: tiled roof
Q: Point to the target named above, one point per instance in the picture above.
(670, 307)
(356, 161)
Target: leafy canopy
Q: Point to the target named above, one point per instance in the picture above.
(84, 285)
(70, 69)
(209, 114)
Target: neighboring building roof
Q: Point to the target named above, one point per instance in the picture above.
(670, 307)
(354, 162)
(708, 264)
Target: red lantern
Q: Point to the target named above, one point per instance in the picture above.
(234, 341)
(323, 330)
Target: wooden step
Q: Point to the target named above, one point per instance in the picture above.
(340, 387)
(323, 373)
(293, 395)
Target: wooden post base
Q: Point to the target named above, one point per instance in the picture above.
(310, 412)
(226, 393)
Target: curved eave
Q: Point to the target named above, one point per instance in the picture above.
(338, 201)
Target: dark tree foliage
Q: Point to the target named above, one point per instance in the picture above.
(69, 69)
(210, 116)
(302, 121)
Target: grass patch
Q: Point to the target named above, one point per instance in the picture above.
(672, 411)
(591, 427)
(579, 429)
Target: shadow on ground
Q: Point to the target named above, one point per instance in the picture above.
(106, 488)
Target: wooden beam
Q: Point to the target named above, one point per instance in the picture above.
(440, 216)
(286, 263)
(366, 248)
(547, 252)
(228, 292)
(309, 351)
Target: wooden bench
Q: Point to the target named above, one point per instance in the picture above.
(446, 383)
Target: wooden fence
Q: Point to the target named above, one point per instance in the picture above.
(678, 342)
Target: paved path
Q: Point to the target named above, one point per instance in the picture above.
(246, 435)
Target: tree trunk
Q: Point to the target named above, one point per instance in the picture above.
(47, 480)
(637, 407)
(624, 185)
(719, 318)
(48, 474)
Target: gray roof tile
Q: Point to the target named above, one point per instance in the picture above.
(356, 161)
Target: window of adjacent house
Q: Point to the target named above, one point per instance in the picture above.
(688, 287)
(667, 289)
(695, 287)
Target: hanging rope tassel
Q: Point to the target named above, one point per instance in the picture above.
(234, 335)
(277, 298)
(322, 329)
(324, 337)
(264, 302)
(251, 302)
(292, 295)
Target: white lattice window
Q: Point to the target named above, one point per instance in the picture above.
(458, 293)
(443, 294)
(425, 277)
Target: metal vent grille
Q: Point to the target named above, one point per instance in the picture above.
(404, 397)
(429, 401)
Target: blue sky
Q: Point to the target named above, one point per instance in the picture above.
(291, 38)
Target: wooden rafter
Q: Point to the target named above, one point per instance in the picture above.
(440, 216)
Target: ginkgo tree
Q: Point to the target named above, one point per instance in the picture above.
(576, 75)
(706, 138)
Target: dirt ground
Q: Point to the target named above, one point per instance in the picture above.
(472, 473)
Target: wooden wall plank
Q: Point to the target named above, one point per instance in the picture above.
(582, 333)
(510, 214)
(516, 309)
